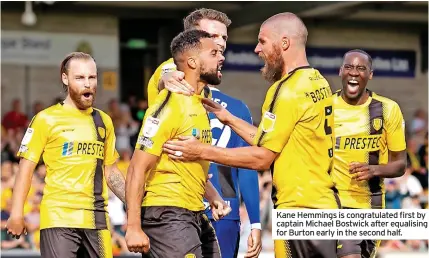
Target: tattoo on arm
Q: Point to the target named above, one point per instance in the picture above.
(116, 183)
(252, 136)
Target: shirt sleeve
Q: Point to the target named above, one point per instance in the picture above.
(395, 129)
(159, 125)
(110, 153)
(278, 120)
(34, 141)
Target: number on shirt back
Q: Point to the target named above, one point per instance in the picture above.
(328, 128)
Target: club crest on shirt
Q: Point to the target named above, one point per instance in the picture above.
(377, 123)
(150, 127)
(101, 132)
(196, 133)
(268, 122)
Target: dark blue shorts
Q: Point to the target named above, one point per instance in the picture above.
(228, 236)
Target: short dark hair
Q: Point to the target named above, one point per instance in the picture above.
(64, 67)
(361, 52)
(193, 19)
(187, 40)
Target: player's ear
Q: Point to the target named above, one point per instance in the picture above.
(285, 43)
(340, 71)
(65, 79)
(192, 62)
(371, 74)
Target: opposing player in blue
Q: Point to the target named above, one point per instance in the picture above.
(232, 183)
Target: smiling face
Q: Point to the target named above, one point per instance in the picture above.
(81, 81)
(355, 73)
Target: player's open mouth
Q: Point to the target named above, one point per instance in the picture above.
(87, 95)
(353, 86)
(219, 74)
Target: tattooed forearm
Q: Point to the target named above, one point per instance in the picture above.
(116, 183)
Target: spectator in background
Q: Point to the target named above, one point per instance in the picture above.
(15, 118)
(124, 160)
(113, 110)
(125, 128)
(393, 195)
(419, 124)
(37, 107)
(137, 113)
(414, 161)
(409, 185)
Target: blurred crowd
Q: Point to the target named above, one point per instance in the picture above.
(409, 191)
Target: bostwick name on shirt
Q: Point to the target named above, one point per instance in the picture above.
(87, 148)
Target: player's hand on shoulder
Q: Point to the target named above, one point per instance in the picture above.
(175, 82)
(219, 209)
(362, 171)
(217, 109)
(15, 226)
(137, 240)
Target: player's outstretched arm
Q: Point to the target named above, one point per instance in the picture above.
(253, 157)
(219, 207)
(115, 181)
(15, 224)
(244, 129)
(141, 163)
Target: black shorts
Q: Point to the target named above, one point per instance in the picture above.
(177, 232)
(75, 243)
(364, 248)
(305, 248)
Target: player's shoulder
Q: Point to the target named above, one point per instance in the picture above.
(106, 118)
(388, 103)
(167, 99)
(49, 112)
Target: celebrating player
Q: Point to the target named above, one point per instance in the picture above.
(229, 181)
(370, 145)
(164, 197)
(77, 143)
(294, 137)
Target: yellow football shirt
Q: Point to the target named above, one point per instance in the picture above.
(152, 87)
(75, 146)
(175, 183)
(296, 123)
(365, 133)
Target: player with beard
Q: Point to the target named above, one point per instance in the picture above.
(294, 137)
(77, 143)
(234, 184)
(370, 145)
(164, 197)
